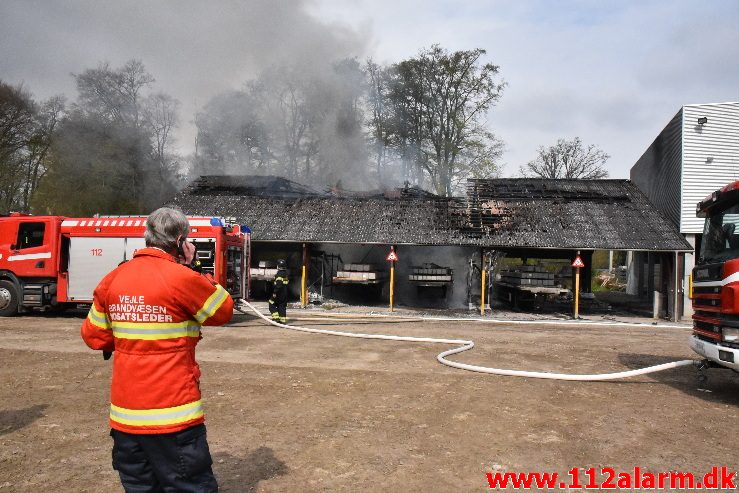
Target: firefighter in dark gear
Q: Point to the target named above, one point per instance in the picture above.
(278, 301)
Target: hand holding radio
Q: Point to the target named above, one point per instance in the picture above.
(185, 251)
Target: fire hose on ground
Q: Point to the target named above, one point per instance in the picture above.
(466, 345)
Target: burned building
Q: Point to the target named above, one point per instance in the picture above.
(441, 242)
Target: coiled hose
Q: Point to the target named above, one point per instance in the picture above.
(465, 345)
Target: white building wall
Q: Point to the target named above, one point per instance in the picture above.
(657, 172)
(710, 156)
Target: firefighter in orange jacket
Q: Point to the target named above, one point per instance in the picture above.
(149, 311)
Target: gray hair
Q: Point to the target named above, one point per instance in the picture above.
(163, 226)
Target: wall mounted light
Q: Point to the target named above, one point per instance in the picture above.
(702, 120)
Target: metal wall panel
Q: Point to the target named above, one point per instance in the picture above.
(710, 156)
(90, 259)
(133, 244)
(657, 172)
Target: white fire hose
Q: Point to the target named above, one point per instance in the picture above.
(467, 345)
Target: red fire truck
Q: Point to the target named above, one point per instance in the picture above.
(716, 280)
(53, 262)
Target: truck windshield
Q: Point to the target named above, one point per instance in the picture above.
(721, 235)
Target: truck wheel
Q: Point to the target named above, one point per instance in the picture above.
(8, 299)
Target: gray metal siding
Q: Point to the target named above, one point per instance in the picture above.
(711, 156)
(657, 172)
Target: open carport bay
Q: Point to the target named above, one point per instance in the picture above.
(288, 411)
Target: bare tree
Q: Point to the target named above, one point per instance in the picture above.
(568, 159)
(380, 118)
(160, 115)
(114, 94)
(160, 111)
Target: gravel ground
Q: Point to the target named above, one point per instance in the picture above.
(295, 412)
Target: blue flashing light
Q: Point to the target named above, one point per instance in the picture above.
(245, 229)
(214, 221)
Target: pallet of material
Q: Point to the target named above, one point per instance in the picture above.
(261, 271)
(348, 280)
(517, 281)
(441, 271)
(504, 286)
(364, 276)
(414, 277)
(359, 267)
(527, 275)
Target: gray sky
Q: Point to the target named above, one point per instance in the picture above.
(612, 72)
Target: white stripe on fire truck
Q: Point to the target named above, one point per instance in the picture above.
(29, 256)
(723, 282)
(123, 222)
(199, 222)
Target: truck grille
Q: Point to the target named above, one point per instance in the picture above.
(705, 326)
(713, 302)
(706, 290)
(707, 314)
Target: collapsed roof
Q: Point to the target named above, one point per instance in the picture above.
(495, 213)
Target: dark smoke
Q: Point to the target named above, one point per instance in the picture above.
(194, 49)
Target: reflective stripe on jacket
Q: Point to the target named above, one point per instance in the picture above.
(150, 311)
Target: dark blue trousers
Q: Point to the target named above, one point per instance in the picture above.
(169, 462)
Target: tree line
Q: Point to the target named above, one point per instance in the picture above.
(421, 121)
(109, 151)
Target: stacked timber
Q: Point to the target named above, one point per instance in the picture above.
(430, 273)
(527, 275)
(359, 273)
(266, 270)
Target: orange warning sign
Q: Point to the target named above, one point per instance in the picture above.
(578, 262)
(392, 256)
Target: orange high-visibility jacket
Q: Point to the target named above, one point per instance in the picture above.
(149, 311)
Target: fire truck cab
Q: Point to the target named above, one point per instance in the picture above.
(716, 280)
(53, 262)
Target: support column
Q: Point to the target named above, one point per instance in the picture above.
(639, 258)
(586, 273)
(304, 276)
(650, 274)
(676, 312)
(687, 272)
(632, 274)
(392, 281)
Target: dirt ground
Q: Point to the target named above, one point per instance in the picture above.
(288, 411)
